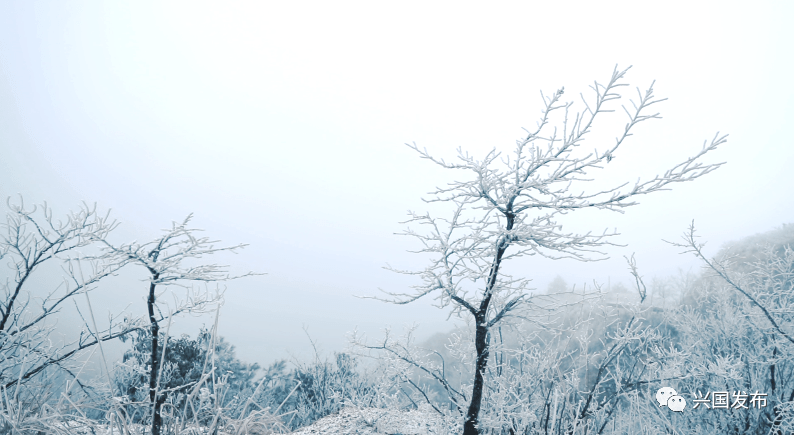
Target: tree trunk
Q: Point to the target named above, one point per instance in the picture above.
(155, 361)
(482, 339)
(482, 345)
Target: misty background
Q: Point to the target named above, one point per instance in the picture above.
(282, 125)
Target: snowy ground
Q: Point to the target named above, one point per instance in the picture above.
(367, 421)
(363, 421)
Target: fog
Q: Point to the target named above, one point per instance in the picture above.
(283, 126)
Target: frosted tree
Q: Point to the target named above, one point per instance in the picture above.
(736, 322)
(509, 207)
(174, 259)
(34, 244)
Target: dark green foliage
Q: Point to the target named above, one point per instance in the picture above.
(186, 360)
(323, 387)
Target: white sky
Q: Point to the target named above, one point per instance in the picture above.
(282, 124)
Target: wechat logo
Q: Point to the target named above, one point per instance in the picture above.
(668, 397)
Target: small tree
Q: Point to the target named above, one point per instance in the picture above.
(31, 242)
(509, 209)
(165, 260)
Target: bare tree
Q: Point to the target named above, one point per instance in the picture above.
(167, 260)
(33, 242)
(510, 207)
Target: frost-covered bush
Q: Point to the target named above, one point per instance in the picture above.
(310, 391)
